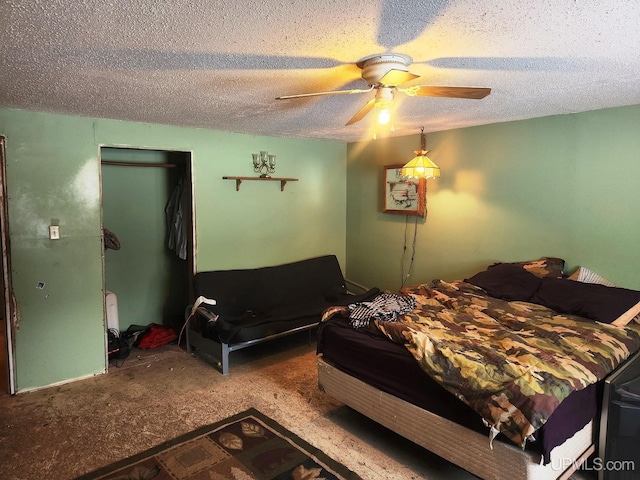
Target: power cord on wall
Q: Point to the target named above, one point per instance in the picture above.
(406, 276)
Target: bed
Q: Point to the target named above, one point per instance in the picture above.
(500, 373)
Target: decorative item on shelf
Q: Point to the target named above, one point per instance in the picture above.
(421, 166)
(264, 164)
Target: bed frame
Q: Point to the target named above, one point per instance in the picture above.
(217, 353)
(443, 437)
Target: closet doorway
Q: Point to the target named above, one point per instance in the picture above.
(149, 236)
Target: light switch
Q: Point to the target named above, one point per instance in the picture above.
(54, 232)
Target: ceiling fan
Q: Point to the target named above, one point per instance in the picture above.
(384, 73)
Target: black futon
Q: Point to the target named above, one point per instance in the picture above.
(259, 304)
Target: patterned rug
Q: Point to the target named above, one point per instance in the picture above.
(246, 446)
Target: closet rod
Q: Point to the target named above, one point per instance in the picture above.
(129, 164)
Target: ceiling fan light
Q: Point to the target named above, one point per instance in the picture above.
(384, 116)
(384, 112)
(383, 126)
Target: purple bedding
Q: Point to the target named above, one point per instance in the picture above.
(368, 355)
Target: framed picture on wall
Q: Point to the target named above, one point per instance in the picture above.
(399, 195)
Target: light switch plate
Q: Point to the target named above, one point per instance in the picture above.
(54, 232)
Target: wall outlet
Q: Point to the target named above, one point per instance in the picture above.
(54, 232)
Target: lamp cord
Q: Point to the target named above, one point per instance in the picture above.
(423, 147)
(404, 250)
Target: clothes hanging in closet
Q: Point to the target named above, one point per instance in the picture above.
(176, 220)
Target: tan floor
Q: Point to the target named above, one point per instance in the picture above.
(65, 431)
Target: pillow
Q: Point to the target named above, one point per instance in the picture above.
(507, 281)
(590, 300)
(545, 267)
(583, 274)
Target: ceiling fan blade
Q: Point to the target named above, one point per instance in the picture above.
(451, 92)
(396, 77)
(317, 94)
(362, 112)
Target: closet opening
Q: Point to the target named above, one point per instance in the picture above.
(148, 233)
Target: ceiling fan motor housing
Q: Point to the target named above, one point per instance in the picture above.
(374, 67)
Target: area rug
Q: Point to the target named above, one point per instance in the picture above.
(247, 446)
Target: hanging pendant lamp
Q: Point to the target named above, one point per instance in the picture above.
(421, 166)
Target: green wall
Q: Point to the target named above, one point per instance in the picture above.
(563, 186)
(558, 186)
(53, 177)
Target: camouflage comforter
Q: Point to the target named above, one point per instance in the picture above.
(512, 362)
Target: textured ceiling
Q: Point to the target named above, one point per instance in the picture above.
(220, 64)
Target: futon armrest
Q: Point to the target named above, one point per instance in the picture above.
(210, 316)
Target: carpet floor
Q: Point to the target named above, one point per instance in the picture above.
(65, 431)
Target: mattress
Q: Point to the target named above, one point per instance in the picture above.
(369, 356)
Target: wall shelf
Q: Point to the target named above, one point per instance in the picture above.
(283, 181)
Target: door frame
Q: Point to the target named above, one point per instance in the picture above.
(8, 301)
(191, 246)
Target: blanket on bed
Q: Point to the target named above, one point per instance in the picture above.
(512, 362)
